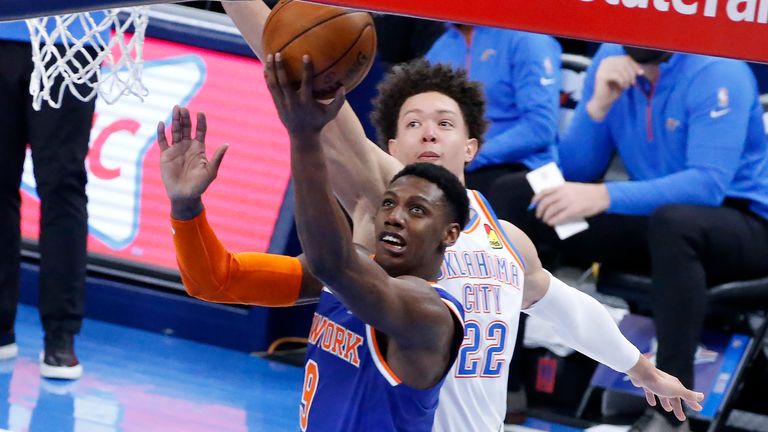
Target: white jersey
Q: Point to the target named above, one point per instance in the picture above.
(485, 273)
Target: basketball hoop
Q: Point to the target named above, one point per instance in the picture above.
(56, 70)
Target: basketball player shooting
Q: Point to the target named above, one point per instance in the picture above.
(434, 114)
(383, 338)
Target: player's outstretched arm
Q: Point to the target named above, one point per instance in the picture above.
(420, 327)
(249, 17)
(359, 180)
(588, 328)
(670, 392)
(208, 270)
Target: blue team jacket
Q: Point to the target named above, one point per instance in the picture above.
(521, 75)
(696, 137)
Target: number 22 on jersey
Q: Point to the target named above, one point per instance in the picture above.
(482, 353)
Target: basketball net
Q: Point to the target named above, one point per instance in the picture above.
(57, 70)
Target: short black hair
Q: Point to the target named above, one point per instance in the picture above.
(420, 76)
(453, 190)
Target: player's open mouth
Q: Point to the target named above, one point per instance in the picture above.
(392, 242)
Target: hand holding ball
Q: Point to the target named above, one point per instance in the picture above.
(341, 43)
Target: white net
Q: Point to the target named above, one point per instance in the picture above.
(72, 61)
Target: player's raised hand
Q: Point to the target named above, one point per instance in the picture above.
(184, 167)
(298, 110)
(668, 389)
(570, 201)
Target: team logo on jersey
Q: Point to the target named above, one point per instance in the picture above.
(490, 52)
(335, 339)
(672, 124)
(493, 238)
(722, 104)
(722, 97)
(549, 68)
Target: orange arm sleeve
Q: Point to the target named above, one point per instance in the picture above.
(212, 273)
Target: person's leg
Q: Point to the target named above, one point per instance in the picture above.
(510, 195)
(693, 247)
(483, 179)
(14, 89)
(59, 140)
(619, 240)
(616, 240)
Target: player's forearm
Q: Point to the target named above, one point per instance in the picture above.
(585, 149)
(585, 325)
(693, 186)
(210, 272)
(325, 236)
(249, 17)
(361, 169)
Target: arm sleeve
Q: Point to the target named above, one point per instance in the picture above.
(585, 325)
(536, 81)
(212, 273)
(714, 145)
(586, 147)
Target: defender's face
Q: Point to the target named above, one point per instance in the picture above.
(411, 225)
(431, 128)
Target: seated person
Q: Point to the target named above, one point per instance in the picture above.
(694, 212)
(383, 337)
(520, 73)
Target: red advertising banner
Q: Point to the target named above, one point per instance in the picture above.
(726, 28)
(127, 205)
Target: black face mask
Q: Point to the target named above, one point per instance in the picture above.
(647, 56)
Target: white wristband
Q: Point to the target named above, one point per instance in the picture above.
(585, 325)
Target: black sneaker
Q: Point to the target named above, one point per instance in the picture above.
(8, 347)
(59, 360)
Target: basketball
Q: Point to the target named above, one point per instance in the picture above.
(341, 43)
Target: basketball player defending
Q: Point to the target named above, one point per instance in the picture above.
(383, 338)
(434, 114)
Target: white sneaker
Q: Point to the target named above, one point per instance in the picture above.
(9, 351)
(61, 372)
(58, 360)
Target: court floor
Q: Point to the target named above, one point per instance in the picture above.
(139, 381)
(144, 382)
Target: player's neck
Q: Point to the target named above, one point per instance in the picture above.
(461, 178)
(426, 270)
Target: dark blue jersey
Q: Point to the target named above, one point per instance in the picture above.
(348, 385)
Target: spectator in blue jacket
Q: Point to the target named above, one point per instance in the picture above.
(520, 73)
(521, 76)
(694, 211)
